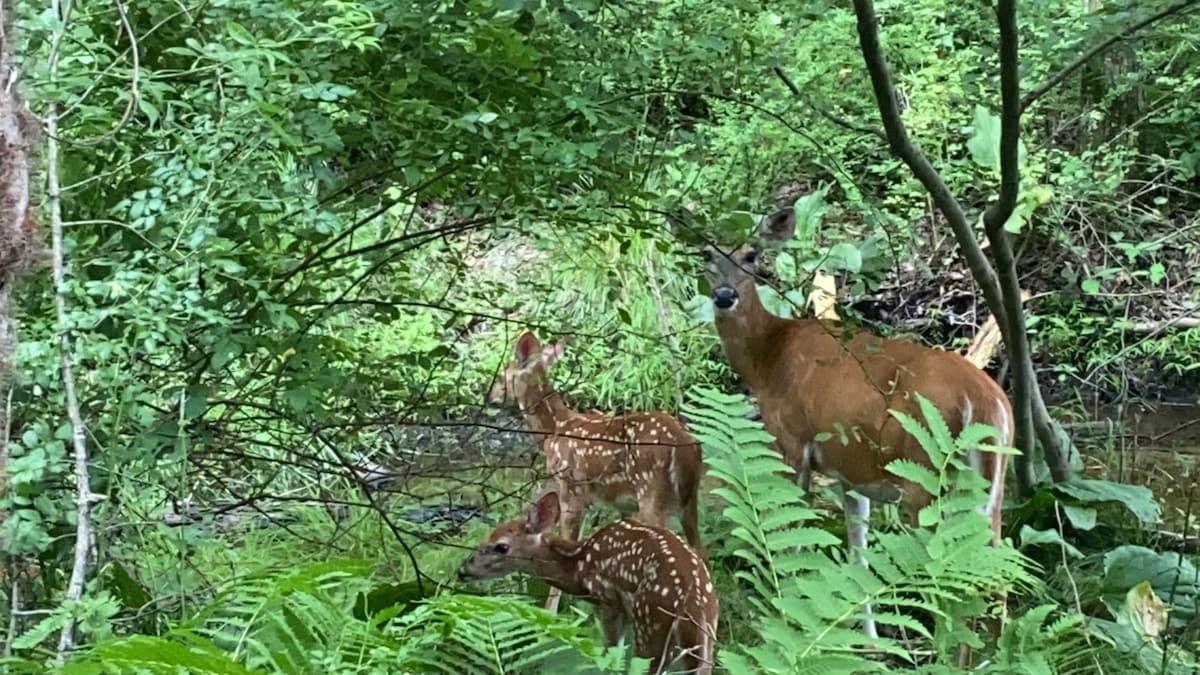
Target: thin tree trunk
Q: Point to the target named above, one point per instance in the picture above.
(1029, 411)
(18, 229)
(83, 493)
(1015, 339)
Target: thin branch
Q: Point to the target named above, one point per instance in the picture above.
(83, 493)
(908, 152)
(14, 612)
(1100, 48)
(1015, 341)
(314, 258)
(134, 78)
(1010, 121)
(836, 119)
(1029, 410)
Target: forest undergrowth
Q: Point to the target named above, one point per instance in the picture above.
(298, 242)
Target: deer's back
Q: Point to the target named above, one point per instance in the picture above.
(620, 456)
(822, 382)
(650, 572)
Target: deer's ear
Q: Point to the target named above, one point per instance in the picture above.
(779, 226)
(542, 514)
(552, 352)
(527, 346)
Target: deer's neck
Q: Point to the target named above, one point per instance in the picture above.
(752, 338)
(544, 409)
(560, 565)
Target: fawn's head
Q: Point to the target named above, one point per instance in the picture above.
(529, 368)
(513, 546)
(732, 274)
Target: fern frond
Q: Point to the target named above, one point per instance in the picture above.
(150, 654)
(476, 634)
(973, 435)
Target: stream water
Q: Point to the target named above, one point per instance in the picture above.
(1151, 444)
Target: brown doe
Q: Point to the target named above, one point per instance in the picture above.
(643, 457)
(627, 569)
(825, 391)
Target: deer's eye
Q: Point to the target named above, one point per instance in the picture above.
(500, 548)
(706, 254)
(750, 256)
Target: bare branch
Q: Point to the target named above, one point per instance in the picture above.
(83, 493)
(1029, 411)
(1010, 122)
(903, 147)
(836, 119)
(1015, 341)
(134, 77)
(1102, 47)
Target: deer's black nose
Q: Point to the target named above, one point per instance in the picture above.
(724, 297)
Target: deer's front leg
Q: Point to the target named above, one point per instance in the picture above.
(612, 617)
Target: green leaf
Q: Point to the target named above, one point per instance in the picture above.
(195, 401)
(1157, 273)
(1137, 499)
(984, 143)
(1081, 517)
(845, 256)
(1090, 286)
(239, 33)
(1172, 576)
(1032, 537)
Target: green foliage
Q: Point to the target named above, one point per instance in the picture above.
(762, 501)
(305, 620)
(318, 223)
(461, 633)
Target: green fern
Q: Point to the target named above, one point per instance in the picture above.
(762, 502)
(1030, 645)
(180, 653)
(475, 634)
(292, 621)
(303, 621)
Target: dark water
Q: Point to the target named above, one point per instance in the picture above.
(1151, 444)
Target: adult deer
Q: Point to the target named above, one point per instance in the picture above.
(644, 457)
(628, 569)
(817, 380)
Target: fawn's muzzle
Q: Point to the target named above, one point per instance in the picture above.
(724, 297)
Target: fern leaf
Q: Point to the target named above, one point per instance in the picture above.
(912, 471)
(973, 435)
(924, 437)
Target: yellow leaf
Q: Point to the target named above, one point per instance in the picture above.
(1145, 611)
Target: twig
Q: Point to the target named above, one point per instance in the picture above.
(903, 147)
(1187, 519)
(1066, 568)
(1182, 322)
(83, 493)
(1103, 46)
(13, 612)
(134, 78)
(836, 119)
